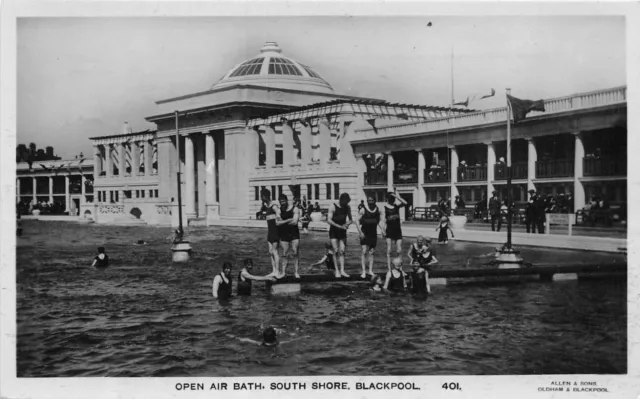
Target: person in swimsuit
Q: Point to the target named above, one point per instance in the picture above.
(328, 259)
(443, 236)
(339, 219)
(245, 277)
(422, 257)
(393, 230)
(367, 224)
(288, 234)
(376, 283)
(396, 281)
(101, 260)
(272, 213)
(222, 283)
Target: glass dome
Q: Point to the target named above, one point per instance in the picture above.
(272, 69)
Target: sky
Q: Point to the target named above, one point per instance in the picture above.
(84, 77)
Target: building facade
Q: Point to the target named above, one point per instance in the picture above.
(273, 122)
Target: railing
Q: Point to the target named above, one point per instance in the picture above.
(436, 175)
(375, 178)
(568, 103)
(558, 168)
(519, 170)
(405, 177)
(604, 166)
(472, 173)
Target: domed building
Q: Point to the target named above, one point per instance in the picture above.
(272, 122)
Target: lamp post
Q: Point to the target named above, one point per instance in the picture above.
(181, 248)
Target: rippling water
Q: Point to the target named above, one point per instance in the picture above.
(143, 316)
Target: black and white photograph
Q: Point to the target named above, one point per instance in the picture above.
(295, 201)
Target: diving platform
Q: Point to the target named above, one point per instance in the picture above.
(290, 284)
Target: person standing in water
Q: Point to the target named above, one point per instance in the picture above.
(339, 219)
(222, 283)
(422, 257)
(443, 236)
(245, 277)
(393, 229)
(289, 234)
(272, 213)
(396, 279)
(101, 260)
(367, 224)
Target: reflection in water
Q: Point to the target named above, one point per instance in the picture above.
(143, 316)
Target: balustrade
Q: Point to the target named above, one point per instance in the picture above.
(519, 170)
(375, 178)
(438, 174)
(593, 166)
(405, 176)
(472, 173)
(556, 168)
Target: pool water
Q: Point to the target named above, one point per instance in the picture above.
(144, 316)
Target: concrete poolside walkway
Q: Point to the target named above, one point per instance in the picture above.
(604, 244)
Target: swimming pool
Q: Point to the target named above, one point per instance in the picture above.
(143, 316)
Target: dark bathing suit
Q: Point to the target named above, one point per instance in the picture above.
(396, 284)
(329, 261)
(443, 235)
(289, 232)
(272, 229)
(369, 223)
(102, 262)
(224, 289)
(418, 257)
(392, 217)
(418, 284)
(244, 285)
(339, 217)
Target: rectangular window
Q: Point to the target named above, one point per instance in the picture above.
(279, 192)
(316, 188)
(137, 193)
(278, 157)
(142, 193)
(328, 191)
(256, 195)
(99, 196)
(150, 193)
(156, 193)
(111, 196)
(309, 192)
(336, 190)
(273, 192)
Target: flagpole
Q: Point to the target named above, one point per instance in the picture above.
(452, 95)
(508, 171)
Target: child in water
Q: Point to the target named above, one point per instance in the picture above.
(328, 259)
(376, 283)
(395, 280)
(443, 237)
(102, 259)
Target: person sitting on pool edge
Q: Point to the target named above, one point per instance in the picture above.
(418, 249)
(245, 277)
(419, 277)
(101, 260)
(222, 283)
(396, 281)
(328, 259)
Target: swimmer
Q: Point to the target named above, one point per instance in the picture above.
(222, 283)
(393, 228)
(368, 221)
(443, 237)
(396, 281)
(289, 235)
(269, 340)
(245, 277)
(419, 278)
(376, 283)
(339, 219)
(328, 259)
(101, 260)
(272, 211)
(418, 249)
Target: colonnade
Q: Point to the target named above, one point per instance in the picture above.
(103, 157)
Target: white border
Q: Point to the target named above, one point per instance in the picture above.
(625, 386)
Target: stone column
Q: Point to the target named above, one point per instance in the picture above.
(50, 189)
(166, 179)
(107, 160)
(17, 190)
(491, 161)
(35, 188)
(391, 166)
(122, 165)
(361, 169)
(213, 207)
(325, 141)
(345, 154)
(578, 195)
(135, 158)
(148, 158)
(532, 157)
(83, 192)
(306, 141)
(270, 145)
(420, 197)
(97, 161)
(454, 175)
(287, 145)
(190, 182)
(66, 193)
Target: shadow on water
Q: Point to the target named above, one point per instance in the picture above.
(144, 316)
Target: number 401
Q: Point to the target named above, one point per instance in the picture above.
(452, 385)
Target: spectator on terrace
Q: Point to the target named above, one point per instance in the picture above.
(459, 203)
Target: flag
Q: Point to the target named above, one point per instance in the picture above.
(520, 108)
(476, 97)
(493, 93)
(464, 103)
